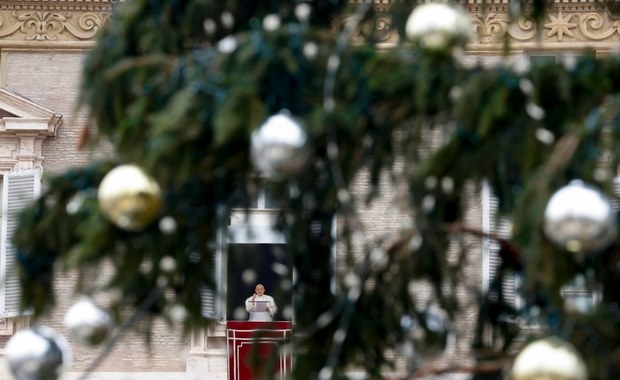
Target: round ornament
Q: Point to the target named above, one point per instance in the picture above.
(579, 218)
(129, 197)
(87, 322)
(279, 147)
(37, 354)
(439, 27)
(548, 358)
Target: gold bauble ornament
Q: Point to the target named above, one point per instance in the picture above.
(549, 358)
(129, 197)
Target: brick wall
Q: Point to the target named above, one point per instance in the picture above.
(51, 78)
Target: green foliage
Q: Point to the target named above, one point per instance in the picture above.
(160, 86)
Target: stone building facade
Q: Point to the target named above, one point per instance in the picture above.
(42, 46)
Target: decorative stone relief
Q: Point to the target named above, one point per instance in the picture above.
(523, 30)
(570, 27)
(384, 31)
(588, 22)
(579, 22)
(26, 146)
(596, 27)
(381, 31)
(489, 27)
(51, 26)
(559, 26)
(6, 150)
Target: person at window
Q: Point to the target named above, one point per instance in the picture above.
(261, 307)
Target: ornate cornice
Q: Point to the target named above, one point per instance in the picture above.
(74, 23)
(59, 5)
(35, 25)
(50, 23)
(568, 24)
(561, 26)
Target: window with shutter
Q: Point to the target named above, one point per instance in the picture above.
(249, 251)
(24, 125)
(494, 225)
(244, 246)
(255, 252)
(18, 190)
(212, 298)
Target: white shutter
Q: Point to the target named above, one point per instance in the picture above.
(500, 227)
(18, 190)
(212, 298)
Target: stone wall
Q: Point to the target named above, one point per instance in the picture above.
(46, 69)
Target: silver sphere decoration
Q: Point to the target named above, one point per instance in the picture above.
(439, 27)
(280, 146)
(87, 322)
(129, 197)
(37, 354)
(548, 358)
(580, 219)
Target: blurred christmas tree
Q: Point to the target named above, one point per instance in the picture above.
(206, 101)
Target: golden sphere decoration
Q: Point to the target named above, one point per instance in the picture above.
(129, 197)
(548, 358)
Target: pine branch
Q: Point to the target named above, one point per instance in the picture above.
(509, 253)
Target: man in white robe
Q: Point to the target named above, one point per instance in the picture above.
(261, 307)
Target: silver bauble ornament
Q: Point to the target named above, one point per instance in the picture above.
(548, 358)
(439, 27)
(280, 146)
(129, 197)
(37, 354)
(87, 322)
(580, 219)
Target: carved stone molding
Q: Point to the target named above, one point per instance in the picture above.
(59, 5)
(568, 27)
(23, 127)
(383, 33)
(567, 24)
(52, 23)
(33, 25)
